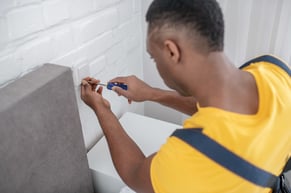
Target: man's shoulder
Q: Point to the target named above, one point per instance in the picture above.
(270, 59)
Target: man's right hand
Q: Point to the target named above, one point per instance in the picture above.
(137, 90)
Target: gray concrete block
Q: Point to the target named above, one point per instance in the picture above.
(41, 143)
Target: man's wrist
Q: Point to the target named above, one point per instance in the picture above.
(100, 110)
(156, 95)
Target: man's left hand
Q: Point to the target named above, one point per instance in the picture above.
(91, 97)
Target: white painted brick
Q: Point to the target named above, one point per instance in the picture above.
(123, 31)
(99, 23)
(83, 71)
(104, 76)
(128, 29)
(134, 60)
(34, 53)
(133, 42)
(75, 73)
(79, 8)
(3, 32)
(135, 37)
(116, 52)
(137, 6)
(5, 5)
(118, 104)
(55, 11)
(130, 32)
(98, 46)
(24, 2)
(62, 42)
(99, 4)
(9, 69)
(80, 71)
(24, 21)
(125, 10)
(137, 22)
(73, 58)
(121, 65)
(97, 66)
(66, 60)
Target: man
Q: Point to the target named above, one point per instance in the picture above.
(246, 110)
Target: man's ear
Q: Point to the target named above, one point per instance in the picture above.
(173, 50)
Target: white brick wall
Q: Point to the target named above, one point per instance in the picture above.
(97, 24)
(24, 2)
(3, 32)
(81, 8)
(14, 69)
(55, 11)
(100, 38)
(31, 21)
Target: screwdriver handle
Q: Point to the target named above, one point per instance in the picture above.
(112, 84)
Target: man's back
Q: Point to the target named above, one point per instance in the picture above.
(262, 138)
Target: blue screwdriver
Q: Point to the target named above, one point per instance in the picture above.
(110, 85)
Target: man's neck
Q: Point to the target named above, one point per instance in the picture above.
(224, 86)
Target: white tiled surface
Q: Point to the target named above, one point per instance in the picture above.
(101, 38)
(148, 133)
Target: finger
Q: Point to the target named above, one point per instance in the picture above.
(129, 101)
(84, 88)
(94, 81)
(100, 90)
(94, 85)
(84, 82)
(88, 78)
(120, 91)
(87, 88)
(82, 91)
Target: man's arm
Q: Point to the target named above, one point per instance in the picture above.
(129, 161)
(139, 91)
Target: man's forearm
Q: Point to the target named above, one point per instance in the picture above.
(128, 159)
(174, 100)
(125, 154)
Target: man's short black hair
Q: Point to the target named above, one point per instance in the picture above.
(198, 16)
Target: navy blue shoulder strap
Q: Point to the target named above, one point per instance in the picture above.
(225, 157)
(270, 59)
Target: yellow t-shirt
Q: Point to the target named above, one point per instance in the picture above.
(263, 139)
